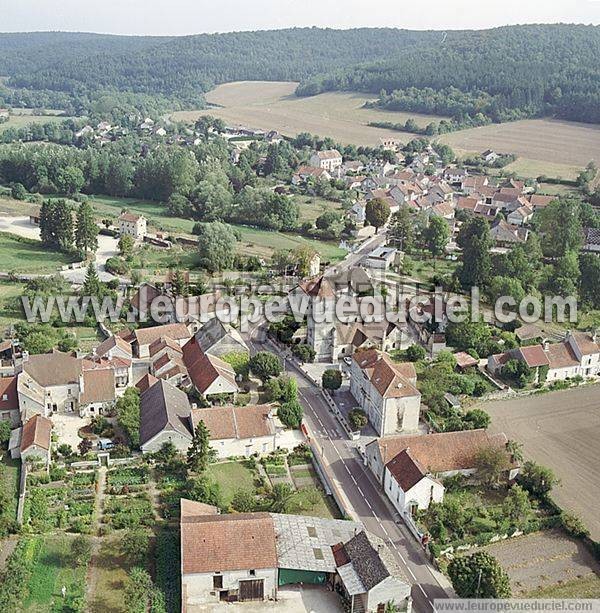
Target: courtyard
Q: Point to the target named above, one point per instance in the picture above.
(560, 430)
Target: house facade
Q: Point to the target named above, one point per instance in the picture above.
(329, 160)
(133, 225)
(386, 392)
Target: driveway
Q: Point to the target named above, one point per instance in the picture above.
(19, 226)
(307, 599)
(560, 430)
(66, 428)
(107, 248)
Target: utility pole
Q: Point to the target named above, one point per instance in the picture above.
(478, 583)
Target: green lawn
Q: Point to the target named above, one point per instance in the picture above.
(313, 502)
(9, 484)
(52, 570)
(254, 241)
(20, 121)
(28, 256)
(584, 587)
(8, 293)
(109, 571)
(425, 267)
(312, 207)
(231, 477)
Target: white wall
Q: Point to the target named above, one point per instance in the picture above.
(390, 589)
(421, 493)
(154, 444)
(197, 588)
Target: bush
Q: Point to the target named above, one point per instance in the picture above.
(415, 353)
(117, 266)
(291, 413)
(358, 419)
(573, 525)
(304, 353)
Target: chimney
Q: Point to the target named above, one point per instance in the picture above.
(546, 344)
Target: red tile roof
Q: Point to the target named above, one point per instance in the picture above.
(389, 379)
(441, 452)
(534, 356)
(204, 369)
(36, 432)
(217, 543)
(406, 470)
(235, 422)
(8, 388)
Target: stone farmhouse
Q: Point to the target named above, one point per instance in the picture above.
(133, 225)
(329, 160)
(577, 355)
(249, 556)
(410, 468)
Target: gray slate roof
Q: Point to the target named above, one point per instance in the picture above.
(163, 407)
(304, 543)
(366, 561)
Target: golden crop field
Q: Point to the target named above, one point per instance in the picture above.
(273, 106)
(544, 146)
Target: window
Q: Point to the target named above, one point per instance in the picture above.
(217, 582)
(312, 531)
(4, 397)
(252, 573)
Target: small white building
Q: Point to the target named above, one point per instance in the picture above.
(410, 468)
(33, 441)
(408, 484)
(382, 258)
(328, 160)
(133, 225)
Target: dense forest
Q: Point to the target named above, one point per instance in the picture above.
(502, 74)
(472, 76)
(71, 69)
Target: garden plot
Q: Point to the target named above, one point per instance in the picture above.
(127, 503)
(62, 500)
(538, 561)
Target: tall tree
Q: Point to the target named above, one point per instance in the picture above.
(216, 246)
(199, 453)
(86, 231)
(63, 226)
(377, 213)
(436, 236)
(402, 229)
(475, 241)
(560, 227)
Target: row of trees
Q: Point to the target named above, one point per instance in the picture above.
(59, 232)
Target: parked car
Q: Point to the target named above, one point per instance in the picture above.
(105, 443)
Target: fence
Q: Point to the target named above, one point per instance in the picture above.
(326, 478)
(353, 435)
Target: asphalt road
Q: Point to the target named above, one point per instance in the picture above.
(364, 495)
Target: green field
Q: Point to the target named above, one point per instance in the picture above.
(53, 569)
(254, 241)
(109, 572)
(231, 477)
(28, 256)
(9, 485)
(8, 292)
(20, 121)
(312, 207)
